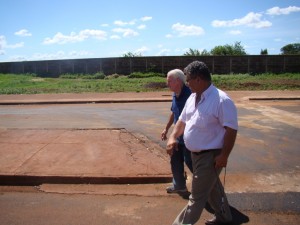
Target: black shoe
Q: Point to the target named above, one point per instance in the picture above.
(214, 221)
(171, 190)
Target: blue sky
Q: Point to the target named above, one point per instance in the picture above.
(67, 29)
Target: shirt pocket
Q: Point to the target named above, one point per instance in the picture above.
(204, 121)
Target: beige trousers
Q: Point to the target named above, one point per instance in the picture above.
(206, 187)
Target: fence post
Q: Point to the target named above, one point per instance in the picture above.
(230, 64)
(248, 69)
(130, 65)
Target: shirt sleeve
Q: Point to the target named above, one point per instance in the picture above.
(228, 114)
(183, 116)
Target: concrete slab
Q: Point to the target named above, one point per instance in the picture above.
(265, 157)
(34, 156)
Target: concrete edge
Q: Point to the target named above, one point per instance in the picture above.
(33, 102)
(31, 180)
(273, 98)
(103, 101)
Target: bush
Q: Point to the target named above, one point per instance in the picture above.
(98, 75)
(145, 75)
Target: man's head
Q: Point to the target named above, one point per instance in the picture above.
(198, 76)
(175, 80)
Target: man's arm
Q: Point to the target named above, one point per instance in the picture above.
(229, 140)
(177, 131)
(169, 124)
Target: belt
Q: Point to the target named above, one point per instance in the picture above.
(205, 151)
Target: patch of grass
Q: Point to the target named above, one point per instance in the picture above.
(99, 75)
(137, 82)
(23, 84)
(290, 81)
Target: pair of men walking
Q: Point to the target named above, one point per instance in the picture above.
(204, 134)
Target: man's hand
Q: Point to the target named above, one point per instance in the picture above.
(172, 143)
(229, 139)
(171, 146)
(221, 161)
(164, 135)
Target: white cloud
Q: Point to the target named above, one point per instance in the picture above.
(79, 53)
(47, 56)
(250, 20)
(23, 33)
(104, 25)
(141, 27)
(235, 32)
(181, 50)
(142, 50)
(97, 34)
(169, 35)
(4, 44)
(187, 30)
(57, 55)
(126, 32)
(115, 37)
(60, 38)
(17, 58)
(17, 45)
(282, 11)
(164, 52)
(146, 18)
(122, 23)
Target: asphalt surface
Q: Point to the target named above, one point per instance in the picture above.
(262, 179)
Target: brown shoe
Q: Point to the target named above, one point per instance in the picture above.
(214, 221)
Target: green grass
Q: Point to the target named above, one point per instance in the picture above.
(136, 82)
(287, 81)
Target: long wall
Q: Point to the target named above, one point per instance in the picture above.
(218, 65)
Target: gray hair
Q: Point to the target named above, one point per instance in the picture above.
(177, 73)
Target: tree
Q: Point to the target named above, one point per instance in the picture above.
(291, 49)
(130, 54)
(264, 51)
(196, 52)
(205, 52)
(236, 49)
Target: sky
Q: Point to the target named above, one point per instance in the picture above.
(68, 29)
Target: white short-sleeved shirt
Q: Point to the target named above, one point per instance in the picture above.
(204, 123)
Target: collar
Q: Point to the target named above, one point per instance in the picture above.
(207, 92)
(181, 92)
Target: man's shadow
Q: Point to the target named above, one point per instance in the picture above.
(238, 217)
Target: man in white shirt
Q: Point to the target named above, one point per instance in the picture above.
(209, 126)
